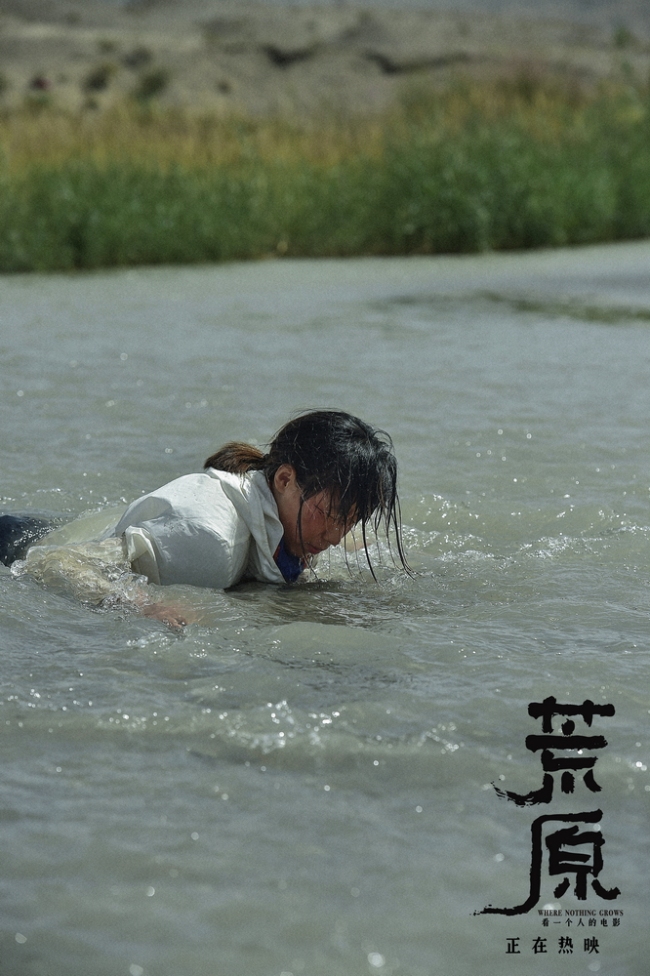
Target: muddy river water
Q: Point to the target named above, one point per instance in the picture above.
(301, 782)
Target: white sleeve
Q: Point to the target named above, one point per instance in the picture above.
(183, 551)
(186, 532)
(141, 554)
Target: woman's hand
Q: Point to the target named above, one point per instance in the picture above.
(174, 617)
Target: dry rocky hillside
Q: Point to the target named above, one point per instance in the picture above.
(234, 54)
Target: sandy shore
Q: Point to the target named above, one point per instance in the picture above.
(225, 55)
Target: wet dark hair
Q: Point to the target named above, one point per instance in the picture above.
(335, 452)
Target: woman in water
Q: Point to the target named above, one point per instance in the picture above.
(256, 516)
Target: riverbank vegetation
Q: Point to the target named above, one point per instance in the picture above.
(515, 164)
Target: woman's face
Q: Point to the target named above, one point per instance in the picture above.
(319, 528)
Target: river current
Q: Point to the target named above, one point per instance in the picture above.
(302, 781)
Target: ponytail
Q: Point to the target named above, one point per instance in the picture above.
(237, 458)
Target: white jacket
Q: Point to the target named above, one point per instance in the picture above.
(211, 529)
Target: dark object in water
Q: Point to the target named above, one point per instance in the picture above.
(18, 532)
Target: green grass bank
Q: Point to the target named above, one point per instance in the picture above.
(462, 171)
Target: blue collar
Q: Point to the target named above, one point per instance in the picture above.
(290, 566)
